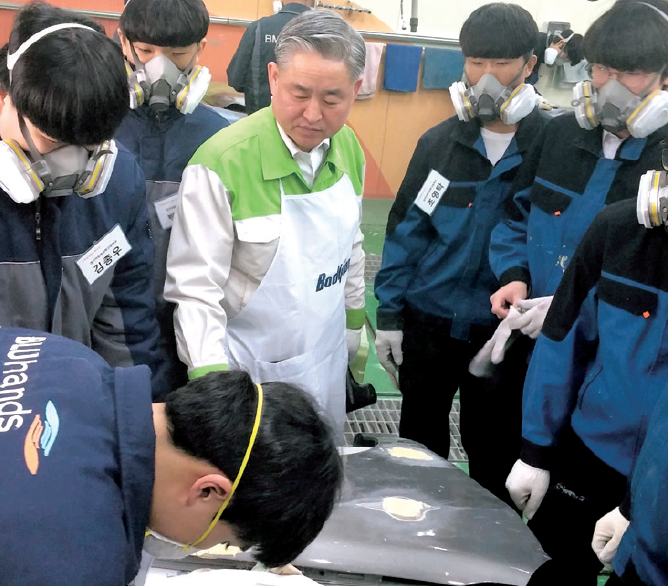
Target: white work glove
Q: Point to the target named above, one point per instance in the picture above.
(353, 341)
(535, 311)
(527, 487)
(286, 570)
(608, 534)
(388, 348)
(494, 350)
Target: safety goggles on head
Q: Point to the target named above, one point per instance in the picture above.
(160, 546)
(160, 83)
(652, 202)
(60, 172)
(490, 100)
(617, 108)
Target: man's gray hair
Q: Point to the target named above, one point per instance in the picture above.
(326, 33)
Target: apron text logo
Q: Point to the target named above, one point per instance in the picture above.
(324, 281)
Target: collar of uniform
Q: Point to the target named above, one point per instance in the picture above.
(277, 161)
(145, 111)
(294, 149)
(294, 8)
(590, 140)
(528, 128)
(468, 133)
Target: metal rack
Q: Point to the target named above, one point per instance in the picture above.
(340, 7)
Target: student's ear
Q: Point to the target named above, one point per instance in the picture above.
(125, 45)
(212, 487)
(203, 43)
(530, 64)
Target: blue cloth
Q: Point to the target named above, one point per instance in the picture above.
(442, 68)
(402, 65)
(601, 362)
(163, 143)
(437, 264)
(77, 455)
(564, 184)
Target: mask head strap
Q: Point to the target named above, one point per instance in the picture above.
(12, 58)
(242, 468)
(661, 12)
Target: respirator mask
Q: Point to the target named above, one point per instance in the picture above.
(160, 84)
(64, 170)
(652, 202)
(490, 100)
(617, 108)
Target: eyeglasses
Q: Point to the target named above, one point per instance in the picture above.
(602, 70)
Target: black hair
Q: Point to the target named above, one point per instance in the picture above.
(72, 83)
(499, 31)
(294, 473)
(631, 36)
(4, 72)
(574, 49)
(165, 23)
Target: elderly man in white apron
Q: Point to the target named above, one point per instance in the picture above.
(265, 261)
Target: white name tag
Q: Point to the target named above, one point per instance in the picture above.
(104, 254)
(431, 192)
(165, 209)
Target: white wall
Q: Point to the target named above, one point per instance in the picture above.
(444, 18)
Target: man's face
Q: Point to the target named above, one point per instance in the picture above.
(509, 72)
(311, 97)
(179, 56)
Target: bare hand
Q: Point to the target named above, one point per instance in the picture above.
(506, 296)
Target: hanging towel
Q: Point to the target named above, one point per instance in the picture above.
(402, 65)
(442, 68)
(374, 52)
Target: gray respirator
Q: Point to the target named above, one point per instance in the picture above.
(490, 100)
(617, 108)
(161, 84)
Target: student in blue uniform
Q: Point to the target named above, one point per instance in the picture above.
(435, 280)
(584, 160)
(162, 40)
(93, 472)
(76, 253)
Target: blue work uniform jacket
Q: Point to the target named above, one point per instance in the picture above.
(438, 263)
(77, 455)
(601, 362)
(563, 183)
(163, 143)
(642, 557)
(43, 284)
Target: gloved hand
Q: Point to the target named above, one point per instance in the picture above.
(388, 348)
(527, 487)
(535, 311)
(286, 570)
(608, 534)
(353, 341)
(495, 348)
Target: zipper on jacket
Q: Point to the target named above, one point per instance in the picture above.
(38, 219)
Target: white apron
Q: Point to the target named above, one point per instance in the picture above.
(293, 327)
